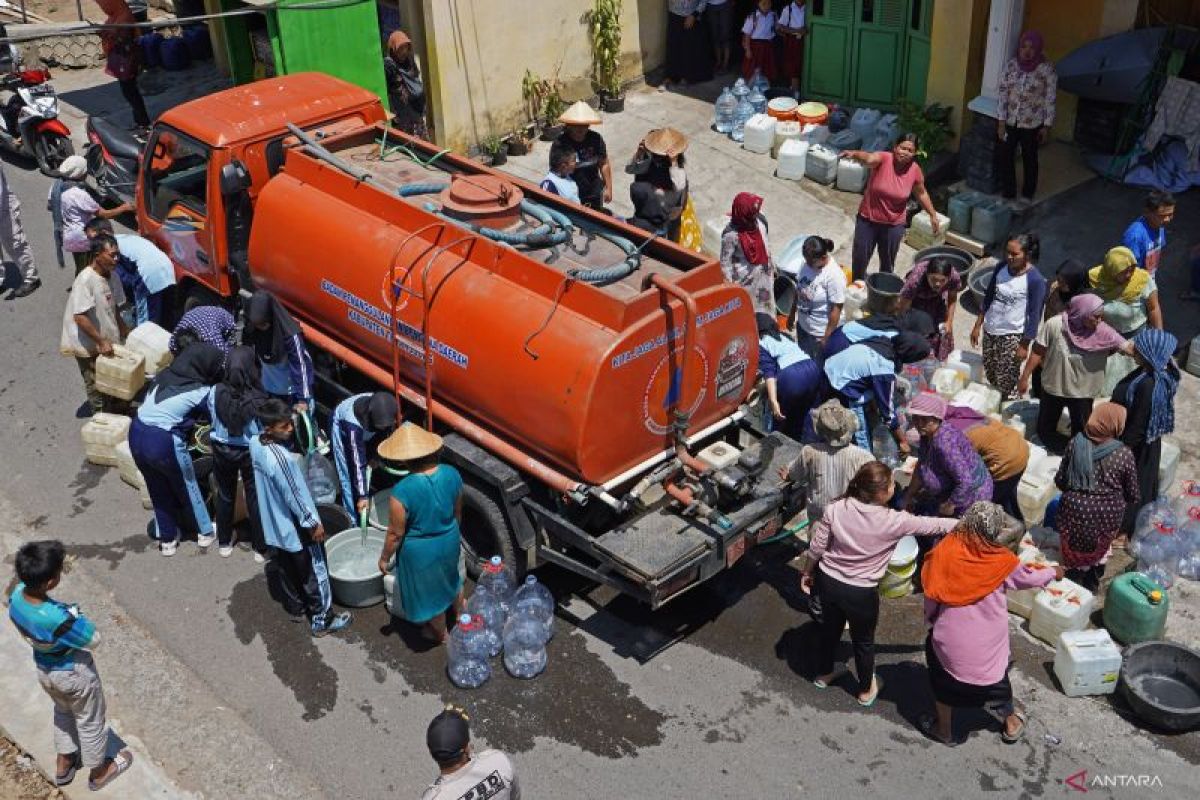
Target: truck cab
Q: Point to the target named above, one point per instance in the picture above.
(205, 162)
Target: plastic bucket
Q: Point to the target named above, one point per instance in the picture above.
(812, 112)
(353, 571)
(785, 295)
(883, 291)
(977, 281)
(782, 108)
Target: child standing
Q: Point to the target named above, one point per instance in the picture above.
(758, 41)
(61, 637)
(792, 29)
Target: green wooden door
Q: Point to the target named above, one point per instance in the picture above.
(828, 51)
(879, 52)
(341, 40)
(916, 62)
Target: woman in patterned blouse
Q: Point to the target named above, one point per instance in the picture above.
(1026, 113)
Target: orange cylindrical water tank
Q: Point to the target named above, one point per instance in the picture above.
(574, 375)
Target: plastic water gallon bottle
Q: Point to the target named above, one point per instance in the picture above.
(884, 446)
(467, 658)
(724, 109)
(497, 580)
(740, 90)
(759, 82)
(745, 110)
(483, 604)
(1188, 499)
(1189, 546)
(524, 646)
(534, 600)
(758, 100)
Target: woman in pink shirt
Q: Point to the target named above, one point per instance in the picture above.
(883, 213)
(851, 545)
(967, 651)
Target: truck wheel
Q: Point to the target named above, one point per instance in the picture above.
(485, 532)
(197, 295)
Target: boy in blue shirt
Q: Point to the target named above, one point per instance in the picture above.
(1147, 235)
(290, 523)
(61, 637)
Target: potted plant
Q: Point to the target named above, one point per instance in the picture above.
(519, 141)
(495, 148)
(553, 107)
(531, 92)
(604, 23)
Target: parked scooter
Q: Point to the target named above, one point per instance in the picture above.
(29, 123)
(112, 155)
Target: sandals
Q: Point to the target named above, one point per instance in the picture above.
(874, 695)
(64, 778)
(839, 672)
(927, 724)
(1013, 738)
(122, 761)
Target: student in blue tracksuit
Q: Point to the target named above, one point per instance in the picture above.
(233, 408)
(876, 326)
(287, 368)
(146, 273)
(358, 422)
(158, 441)
(793, 378)
(866, 372)
(290, 523)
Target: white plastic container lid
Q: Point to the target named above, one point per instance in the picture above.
(905, 552)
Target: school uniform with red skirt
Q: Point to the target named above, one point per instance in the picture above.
(760, 27)
(793, 17)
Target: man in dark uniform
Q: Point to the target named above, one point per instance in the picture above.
(592, 173)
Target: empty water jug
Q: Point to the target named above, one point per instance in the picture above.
(483, 604)
(793, 158)
(741, 116)
(1135, 608)
(1062, 606)
(494, 577)
(758, 100)
(960, 207)
(1168, 463)
(1087, 663)
(740, 90)
(524, 646)
(887, 131)
(990, 221)
(759, 81)
(759, 133)
(101, 435)
(852, 176)
(885, 447)
(920, 234)
(1158, 552)
(785, 130)
(863, 122)
(723, 111)
(822, 164)
(1189, 498)
(534, 600)
(467, 653)
(154, 343)
(948, 381)
(122, 374)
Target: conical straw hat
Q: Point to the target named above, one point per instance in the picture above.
(410, 443)
(666, 142)
(580, 114)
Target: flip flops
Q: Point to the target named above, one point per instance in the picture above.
(839, 672)
(122, 760)
(64, 778)
(874, 695)
(1013, 738)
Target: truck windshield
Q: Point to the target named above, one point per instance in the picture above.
(178, 174)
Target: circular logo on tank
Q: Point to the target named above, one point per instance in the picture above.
(669, 387)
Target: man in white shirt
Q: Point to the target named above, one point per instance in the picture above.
(464, 776)
(91, 323)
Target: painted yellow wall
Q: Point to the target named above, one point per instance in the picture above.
(475, 53)
(958, 42)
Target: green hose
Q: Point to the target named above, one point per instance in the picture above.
(786, 532)
(385, 150)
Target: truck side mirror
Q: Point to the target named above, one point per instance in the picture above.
(234, 178)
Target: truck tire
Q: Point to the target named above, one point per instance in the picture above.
(486, 532)
(197, 295)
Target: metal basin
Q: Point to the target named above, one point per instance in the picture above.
(1161, 683)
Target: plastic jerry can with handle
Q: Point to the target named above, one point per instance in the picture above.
(793, 158)
(822, 163)
(960, 208)
(851, 176)
(1168, 464)
(133, 476)
(154, 343)
(920, 234)
(990, 221)
(101, 435)
(1062, 605)
(785, 130)
(1135, 608)
(713, 229)
(1087, 662)
(948, 381)
(759, 134)
(121, 375)
(814, 133)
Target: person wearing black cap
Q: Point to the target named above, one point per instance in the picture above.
(489, 774)
(359, 421)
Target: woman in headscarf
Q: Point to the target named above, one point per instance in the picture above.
(1129, 293)
(866, 372)
(1070, 280)
(824, 469)
(793, 379)
(745, 258)
(851, 546)
(967, 650)
(1003, 449)
(158, 441)
(950, 475)
(1072, 349)
(1099, 481)
(1148, 395)
(212, 325)
(72, 207)
(659, 192)
(406, 92)
(1028, 91)
(233, 408)
(423, 532)
(932, 286)
(358, 422)
(880, 325)
(287, 368)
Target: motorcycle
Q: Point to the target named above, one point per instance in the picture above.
(29, 123)
(112, 155)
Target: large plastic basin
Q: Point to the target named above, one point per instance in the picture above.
(1161, 683)
(353, 571)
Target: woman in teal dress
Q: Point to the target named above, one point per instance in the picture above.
(423, 532)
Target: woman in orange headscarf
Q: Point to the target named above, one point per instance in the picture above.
(406, 92)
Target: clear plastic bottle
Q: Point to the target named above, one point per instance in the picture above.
(740, 90)
(498, 580)
(723, 111)
(484, 605)
(1159, 552)
(885, 447)
(534, 600)
(745, 110)
(466, 653)
(524, 646)
(759, 82)
(1189, 546)
(1187, 500)
(758, 100)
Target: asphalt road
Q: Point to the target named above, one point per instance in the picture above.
(724, 712)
